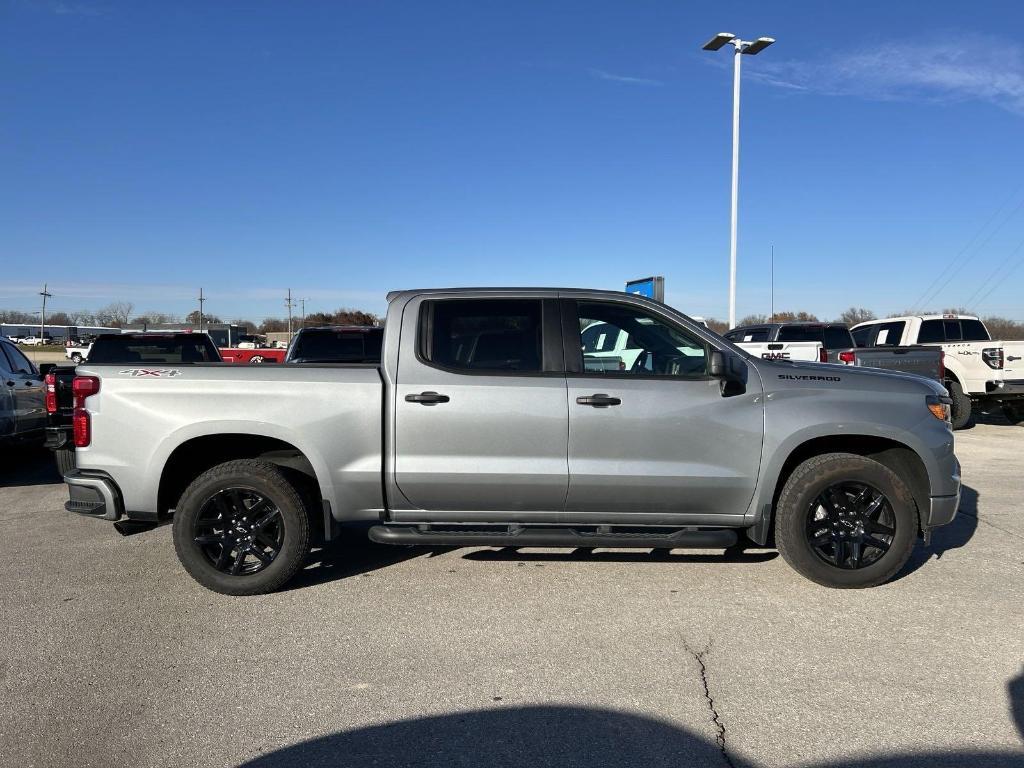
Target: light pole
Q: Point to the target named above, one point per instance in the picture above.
(749, 48)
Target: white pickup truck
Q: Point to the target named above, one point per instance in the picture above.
(77, 352)
(977, 369)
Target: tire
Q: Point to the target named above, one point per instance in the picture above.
(961, 410)
(76, 358)
(65, 458)
(833, 562)
(247, 557)
(1014, 412)
(256, 360)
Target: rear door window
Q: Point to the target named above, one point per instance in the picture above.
(932, 332)
(481, 335)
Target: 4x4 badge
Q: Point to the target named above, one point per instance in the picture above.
(154, 372)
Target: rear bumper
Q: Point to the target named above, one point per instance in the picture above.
(93, 494)
(1008, 389)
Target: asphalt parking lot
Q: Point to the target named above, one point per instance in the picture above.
(112, 656)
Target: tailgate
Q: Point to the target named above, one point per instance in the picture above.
(807, 351)
(923, 361)
(1013, 360)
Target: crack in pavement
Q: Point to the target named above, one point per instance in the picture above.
(699, 657)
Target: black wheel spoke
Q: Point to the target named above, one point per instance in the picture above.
(838, 552)
(267, 542)
(211, 538)
(237, 564)
(871, 541)
(855, 552)
(260, 555)
(873, 526)
(262, 522)
(224, 558)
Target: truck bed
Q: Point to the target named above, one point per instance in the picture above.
(923, 361)
(331, 413)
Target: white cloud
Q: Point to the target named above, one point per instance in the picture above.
(955, 68)
(603, 75)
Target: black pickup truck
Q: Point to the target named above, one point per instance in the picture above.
(136, 349)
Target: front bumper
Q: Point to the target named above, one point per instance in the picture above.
(942, 509)
(93, 494)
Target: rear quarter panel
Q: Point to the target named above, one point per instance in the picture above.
(332, 414)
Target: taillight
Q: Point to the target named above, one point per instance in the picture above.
(81, 388)
(848, 357)
(822, 355)
(51, 392)
(82, 426)
(993, 357)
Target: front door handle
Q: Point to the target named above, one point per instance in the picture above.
(598, 401)
(427, 398)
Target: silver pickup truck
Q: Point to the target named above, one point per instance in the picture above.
(485, 424)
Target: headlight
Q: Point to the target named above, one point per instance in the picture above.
(939, 406)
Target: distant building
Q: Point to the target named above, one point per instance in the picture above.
(59, 333)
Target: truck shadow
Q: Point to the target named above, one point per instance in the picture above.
(948, 537)
(22, 465)
(563, 736)
(353, 554)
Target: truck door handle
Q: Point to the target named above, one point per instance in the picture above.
(427, 398)
(598, 401)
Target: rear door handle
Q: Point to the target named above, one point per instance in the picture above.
(598, 401)
(427, 398)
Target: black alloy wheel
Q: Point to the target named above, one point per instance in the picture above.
(850, 525)
(239, 530)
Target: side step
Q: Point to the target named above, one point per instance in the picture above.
(519, 536)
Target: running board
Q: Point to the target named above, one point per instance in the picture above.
(518, 536)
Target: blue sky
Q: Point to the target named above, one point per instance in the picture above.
(347, 148)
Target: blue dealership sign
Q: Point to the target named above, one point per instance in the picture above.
(651, 287)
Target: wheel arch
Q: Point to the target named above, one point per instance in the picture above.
(899, 457)
(194, 456)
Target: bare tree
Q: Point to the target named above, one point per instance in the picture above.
(855, 315)
(1004, 329)
(753, 320)
(718, 326)
(115, 314)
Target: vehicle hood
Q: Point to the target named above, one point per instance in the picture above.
(776, 373)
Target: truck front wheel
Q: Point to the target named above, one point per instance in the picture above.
(241, 528)
(845, 521)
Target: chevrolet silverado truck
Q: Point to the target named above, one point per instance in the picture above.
(485, 424)
(977, 370)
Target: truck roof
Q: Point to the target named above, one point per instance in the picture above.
(917, 317)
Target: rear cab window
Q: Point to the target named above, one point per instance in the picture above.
(802, 333)
(337, 345)
(838, 337)
(974, 330)
(932, 332)
(183, 349)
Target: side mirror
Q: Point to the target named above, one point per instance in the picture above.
(731, 369)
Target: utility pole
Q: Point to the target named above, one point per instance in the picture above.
(42, 316)
(303, 303)
(772, 319)
(750, 48)
(201, 300)
(290, 304)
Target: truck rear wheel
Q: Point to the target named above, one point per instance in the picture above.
(1014, 412)
(241, 528)
(960, 413)
(845, 521)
